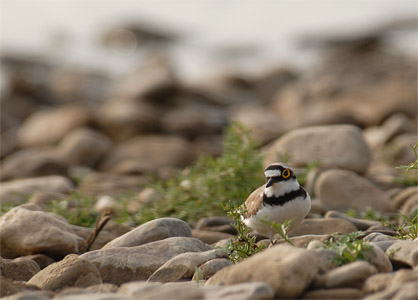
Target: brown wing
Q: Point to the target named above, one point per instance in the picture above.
(254, 201)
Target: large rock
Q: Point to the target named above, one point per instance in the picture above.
(49, 126)
(323, 226)
(27, 230)
(83, 147)
(16, 191)
(21, 269)
(72, 271)
(151, 231)
(342, 190)
(340, 146)
(282, 266)
(184, 265)
(123, 264)
(149, 154)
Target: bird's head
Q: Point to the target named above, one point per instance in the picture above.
(280, 178)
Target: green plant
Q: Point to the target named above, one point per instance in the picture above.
(412, 165)
(349, 247)
(281, 229)
(77, 209)
(5, 207)
(198, 276)
(407, 227)
(392, 252)
(197, 191)
(242, 246)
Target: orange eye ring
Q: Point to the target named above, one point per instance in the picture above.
(286, 173)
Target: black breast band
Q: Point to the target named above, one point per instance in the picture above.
(281, 200)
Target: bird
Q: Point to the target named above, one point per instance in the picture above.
(281, 198)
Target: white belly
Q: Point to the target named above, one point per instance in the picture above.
(295, 210)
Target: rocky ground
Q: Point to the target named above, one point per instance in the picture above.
(66, 133)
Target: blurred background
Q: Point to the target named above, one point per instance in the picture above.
(131, 87)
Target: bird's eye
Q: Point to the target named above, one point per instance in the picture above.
(286, 173)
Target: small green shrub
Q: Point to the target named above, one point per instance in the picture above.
(198, 190)
(406, 227)
(242, 246)
(368, 214)
(412, 165)
(349, 247)
(82, 214)
(5, 207)
(281, 229)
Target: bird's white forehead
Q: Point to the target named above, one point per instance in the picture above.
(272, 173)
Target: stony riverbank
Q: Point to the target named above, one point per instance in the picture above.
(347, 124)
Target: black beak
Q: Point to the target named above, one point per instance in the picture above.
(270, 182)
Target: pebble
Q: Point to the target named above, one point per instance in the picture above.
(350, 275)
(107, 203)
(338, 293)
(18, 190)
(210, 237)
(32, 162)
(151, 231)
(183, 266)
(336, 146)
(271, 266)
(83, 147)
(40, 198)
(209, 268)
(404, 195)
(323, 226)
(361, 224)
(342, 190)
(208, 222)
(72, 271)
(148, 154)
(57, 122)
(249, 290)
(160, 291)
(20, 269)
(123, 264)
(26, 229)
(378, 282)
(32, 295)
(404, 252)
(304, 240)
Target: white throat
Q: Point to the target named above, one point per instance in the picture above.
(282, 187)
